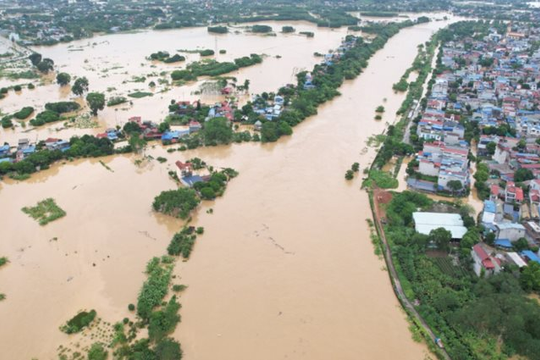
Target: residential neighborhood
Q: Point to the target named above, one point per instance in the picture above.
(483, 108)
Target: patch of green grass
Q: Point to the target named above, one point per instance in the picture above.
(45, 211)
(140, 94)
(3, 261)
(2, 297)
(383, 179)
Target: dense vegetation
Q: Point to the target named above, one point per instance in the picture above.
(214, 68)
(166, 57)
(63, 106)
(24, 113)
(471, 315)
(216, 185)
(84, 146)
(45, 117)
(178, 203)
(79, 322)
(154, 288)
(261, 29)
(218, 29)
(182, 243)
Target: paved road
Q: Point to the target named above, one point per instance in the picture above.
(398, 289)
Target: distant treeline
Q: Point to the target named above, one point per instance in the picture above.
(214, 68)
(378, 14)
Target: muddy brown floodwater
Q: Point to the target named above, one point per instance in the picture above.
(285, 268)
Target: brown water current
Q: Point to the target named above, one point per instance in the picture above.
(285, 268)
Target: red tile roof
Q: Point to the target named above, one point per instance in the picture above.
(183, 166)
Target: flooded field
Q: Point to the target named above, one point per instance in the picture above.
(285, 269)
(116, 67)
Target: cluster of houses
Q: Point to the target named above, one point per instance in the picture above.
(269, 109)
(492, 84)
(23, 149)
(510, 101)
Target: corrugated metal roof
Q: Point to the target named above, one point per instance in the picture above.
(425, 222)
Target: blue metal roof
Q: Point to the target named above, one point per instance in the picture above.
(489, 206)
(530, 255)
(29, 150)
(190, 180)
(505, 243)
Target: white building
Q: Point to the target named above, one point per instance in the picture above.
(425, 222)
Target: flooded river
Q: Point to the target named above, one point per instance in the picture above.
(285, 268)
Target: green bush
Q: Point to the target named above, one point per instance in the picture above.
(45, 117)
(24, 112)
(206, 52)
(79, 322)
(97, 352)
(163, 322)
(6, 122)
(261, 29)
(178, 203)
(154, 288)
(116, 100)
(218, 29)
(182, 243)
(179, 288)
(63, 106)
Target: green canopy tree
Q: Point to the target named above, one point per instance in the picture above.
(96, 102)
(441, 237)
(530, 277)
(35, 58)
(97, 352)
(455, 186)
(80, 86)
(63, 79)
(217, 131)
(45, 66)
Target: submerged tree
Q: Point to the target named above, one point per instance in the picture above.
(96, 102)
(63, 79)
(80, 86)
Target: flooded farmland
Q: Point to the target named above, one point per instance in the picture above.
(285, 269)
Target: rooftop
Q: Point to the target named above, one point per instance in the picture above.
(425, 222)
